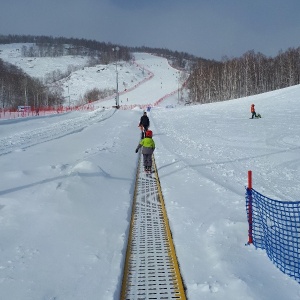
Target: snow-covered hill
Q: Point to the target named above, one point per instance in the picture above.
(67, 185)
(130, 75)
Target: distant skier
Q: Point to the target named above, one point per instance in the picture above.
(144, 123)
(148, 145)
(253, 111)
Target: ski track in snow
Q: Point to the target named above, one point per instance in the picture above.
(225, 158)
(25, 139)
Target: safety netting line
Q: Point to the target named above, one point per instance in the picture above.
(274, 226)
(151, 269)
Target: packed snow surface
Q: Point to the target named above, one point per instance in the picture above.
(67, 184)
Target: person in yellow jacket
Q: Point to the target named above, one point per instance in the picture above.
(148, 145)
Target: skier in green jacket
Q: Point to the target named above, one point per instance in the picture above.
(148, 145)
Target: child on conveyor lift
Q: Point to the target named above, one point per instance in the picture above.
(148, 147)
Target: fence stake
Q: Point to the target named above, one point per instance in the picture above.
(249, 191)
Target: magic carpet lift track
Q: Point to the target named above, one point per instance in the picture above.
(151, 269)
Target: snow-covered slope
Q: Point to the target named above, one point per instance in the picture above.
(130, 75)
(67, 185)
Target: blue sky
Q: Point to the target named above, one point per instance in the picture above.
(206, 28)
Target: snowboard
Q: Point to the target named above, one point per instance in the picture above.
(258, 116)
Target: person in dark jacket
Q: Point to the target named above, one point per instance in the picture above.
(144, 124)
(148, 145)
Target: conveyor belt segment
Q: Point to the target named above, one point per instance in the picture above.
(151, 268)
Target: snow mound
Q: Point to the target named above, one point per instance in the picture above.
(85, 167)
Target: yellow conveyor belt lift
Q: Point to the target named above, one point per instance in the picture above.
(151, 268)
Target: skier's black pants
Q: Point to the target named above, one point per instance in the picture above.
(147, 160)
(254, 115)
(144, 132)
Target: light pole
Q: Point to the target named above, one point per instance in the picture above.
(117, 75)
(178, 86)
(68, 95)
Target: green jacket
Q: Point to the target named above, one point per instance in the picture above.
(147, 144)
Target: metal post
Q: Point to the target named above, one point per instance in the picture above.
(117, 77)
(2, 94)
(117, 99)
(178, 88)
(249, 191)
(69, 96)
(26, 100)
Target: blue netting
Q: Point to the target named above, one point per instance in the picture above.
(276, 228)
